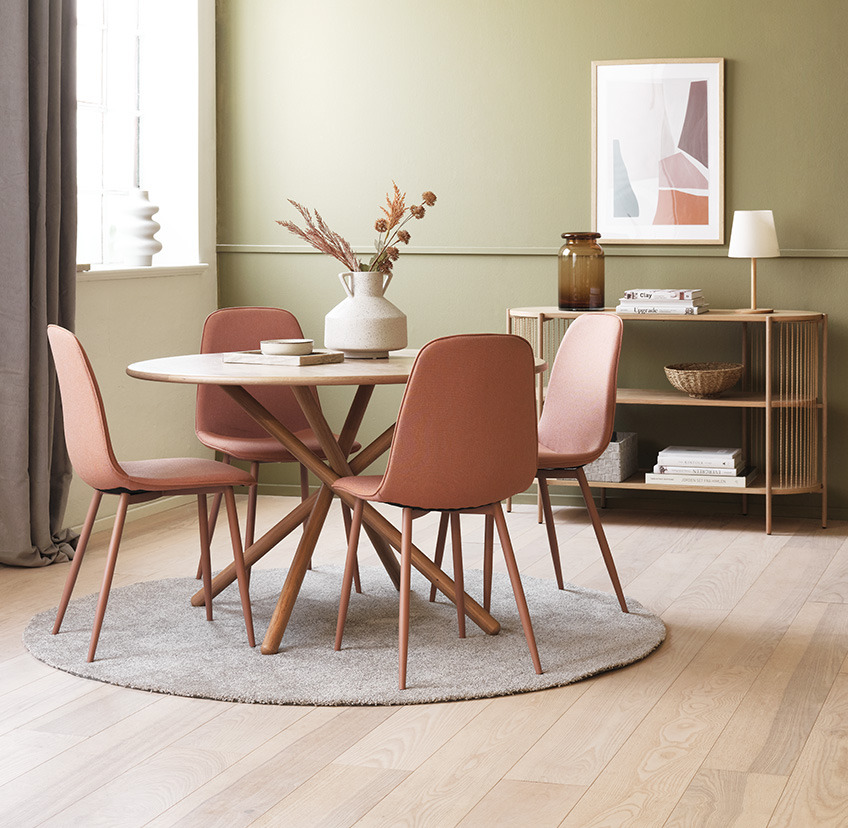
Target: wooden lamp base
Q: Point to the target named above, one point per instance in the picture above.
(754, 308)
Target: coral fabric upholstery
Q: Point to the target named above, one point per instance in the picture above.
(220, 423)
(579, 412)
(577, 421)
(466, 432)
(93, 459)
(89, 444)
(465, 439)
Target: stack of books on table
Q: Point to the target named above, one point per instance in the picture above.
(697, 466)
(663, 300)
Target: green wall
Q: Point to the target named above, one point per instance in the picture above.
(488, 105)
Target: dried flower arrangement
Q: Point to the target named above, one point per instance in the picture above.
(390, 227)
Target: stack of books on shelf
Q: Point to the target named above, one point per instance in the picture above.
(698, 466)
(663, 300)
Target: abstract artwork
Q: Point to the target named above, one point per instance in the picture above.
(658, 151)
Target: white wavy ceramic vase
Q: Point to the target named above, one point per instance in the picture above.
(137, 230)
(365, 325)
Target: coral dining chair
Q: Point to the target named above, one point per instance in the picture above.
(223, 426)
(465, 440)
(93, 459)
(577, 421)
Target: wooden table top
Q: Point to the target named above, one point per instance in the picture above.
(210, 369)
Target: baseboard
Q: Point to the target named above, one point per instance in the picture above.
(661, 502)
(140, 510)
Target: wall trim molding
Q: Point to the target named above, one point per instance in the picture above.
(693, 251)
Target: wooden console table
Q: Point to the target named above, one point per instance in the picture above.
(783, 396)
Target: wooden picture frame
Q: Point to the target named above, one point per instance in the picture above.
(658, 151)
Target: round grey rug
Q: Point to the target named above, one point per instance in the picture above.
(153, 639)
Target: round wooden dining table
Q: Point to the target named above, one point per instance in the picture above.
(365, 374)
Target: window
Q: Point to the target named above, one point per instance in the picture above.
(137, 123)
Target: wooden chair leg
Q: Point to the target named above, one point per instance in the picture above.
(76, 563)
(357, 584)
(458, 574)
(238, 560)
(304, 482)
(205, 557)
(439, 552)
(602, 538)
(213, 517)
(111, 560)
(403, 611)
(304, 494)
(252, 494)
(545, 500)
(488, 553)
(350, 565)
(517, 588)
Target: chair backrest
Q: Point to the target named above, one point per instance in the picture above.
(579, 409)
(86, 431)
(242, 329)
(466, 431)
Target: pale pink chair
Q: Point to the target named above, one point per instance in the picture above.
(577, 420)
(465, 440)
(224, 426)
(90, 450)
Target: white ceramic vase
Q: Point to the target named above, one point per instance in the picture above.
(137, 230)
(365, 325)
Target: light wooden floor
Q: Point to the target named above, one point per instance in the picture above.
(740, 719)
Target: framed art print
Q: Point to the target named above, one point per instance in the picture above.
(658, 151)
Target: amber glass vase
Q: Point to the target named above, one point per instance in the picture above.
(581, 272)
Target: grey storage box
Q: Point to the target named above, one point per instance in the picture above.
(617, 462)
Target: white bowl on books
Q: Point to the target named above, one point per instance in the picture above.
(286, 347)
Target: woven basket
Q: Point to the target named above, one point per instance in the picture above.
(703, 380)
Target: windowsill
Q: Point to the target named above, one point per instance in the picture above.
(95, 273)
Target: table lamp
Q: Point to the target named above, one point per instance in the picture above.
(753, 237)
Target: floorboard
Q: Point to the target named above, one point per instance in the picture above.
(738, 720)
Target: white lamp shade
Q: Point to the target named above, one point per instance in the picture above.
(753, 235)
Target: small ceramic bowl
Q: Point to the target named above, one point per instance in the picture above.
(286, 347)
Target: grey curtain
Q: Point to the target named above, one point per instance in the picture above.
(37, 271)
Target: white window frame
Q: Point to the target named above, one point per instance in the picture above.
(176, 165)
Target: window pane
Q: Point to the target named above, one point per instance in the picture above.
(119, 150)
(107, 120)
(89, 228)
(90, 63)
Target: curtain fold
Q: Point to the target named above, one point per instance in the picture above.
(37, 271)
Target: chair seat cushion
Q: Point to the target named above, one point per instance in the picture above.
(364, 486)
(261, 449)
(550, 459)
(175, 473)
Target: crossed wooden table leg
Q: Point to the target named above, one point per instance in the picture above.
(314, 510)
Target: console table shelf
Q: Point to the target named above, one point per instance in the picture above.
(782, 398)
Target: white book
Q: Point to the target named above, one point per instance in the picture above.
(715, 471)
(700, 456)
(662, 303)
(663, 293)
(739, 481)
(679, 310)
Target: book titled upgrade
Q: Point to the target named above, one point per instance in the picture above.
(740, 481)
